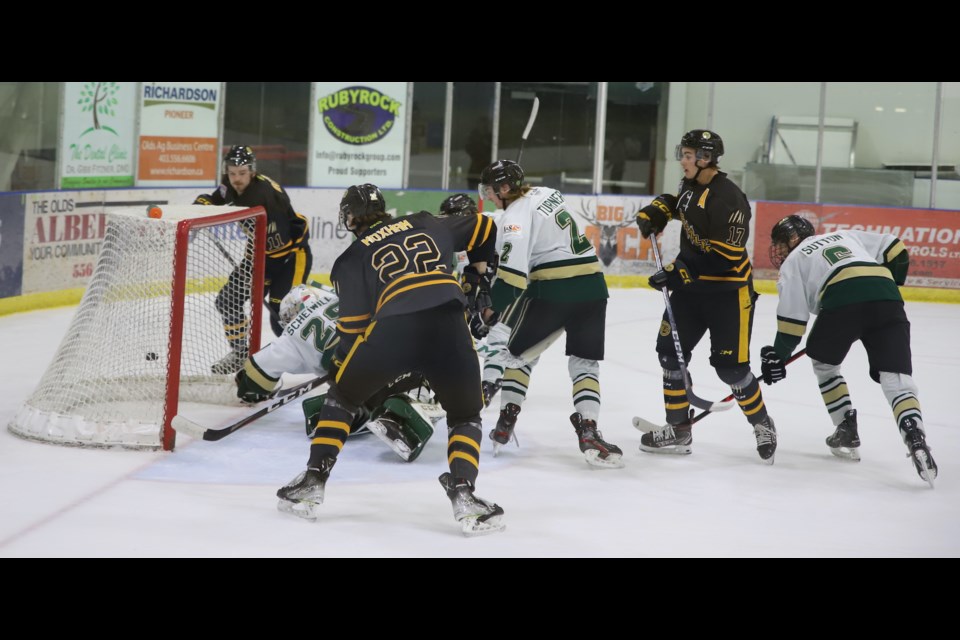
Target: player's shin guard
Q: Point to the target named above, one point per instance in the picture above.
(750, 398)
(585, 376)
(332, 429)
(833, 390)
(675, 400)
(463, 448)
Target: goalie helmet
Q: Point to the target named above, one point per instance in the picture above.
(239, 156)
(786, 235)
(500, 172)
(299, 298)
(709, 145)
(361, 206)
(459, 204)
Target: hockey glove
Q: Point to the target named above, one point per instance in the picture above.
(476, 287)
(673, 276)
(772, 366)
(653, 218)
(479, 328)
(249, 391)
(203, 199)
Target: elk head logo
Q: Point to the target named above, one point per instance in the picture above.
(608, 220)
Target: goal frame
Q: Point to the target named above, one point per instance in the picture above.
(178, 298)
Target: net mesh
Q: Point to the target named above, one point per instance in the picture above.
(108, 382)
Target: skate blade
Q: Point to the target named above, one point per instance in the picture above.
(679, 450)
(474, 526)
(768, 461)
(306, 510)
(924, 469)
(497, 445)
(612, 461)
(398, 446)
(846, 453)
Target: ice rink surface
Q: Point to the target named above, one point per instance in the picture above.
(217, 499)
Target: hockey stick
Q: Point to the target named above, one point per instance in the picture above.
(233, 263)
(646, 425)
(523, 138)
(696, 401)
(219, 245)
(530, 121)
(191, 428)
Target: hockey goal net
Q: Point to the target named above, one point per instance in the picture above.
(154, 320)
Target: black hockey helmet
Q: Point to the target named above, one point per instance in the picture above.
(361, 206)
(498, 173)
(238, 156)
(704, 141)
(459, 204)
(786, 235)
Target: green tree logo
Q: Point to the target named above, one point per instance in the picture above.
(100, 99)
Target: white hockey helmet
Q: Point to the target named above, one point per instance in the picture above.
(297, 299)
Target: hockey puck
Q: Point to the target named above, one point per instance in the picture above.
(151, 356)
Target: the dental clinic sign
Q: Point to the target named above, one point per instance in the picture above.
(97, 135)
(357, 133)
(179, 124)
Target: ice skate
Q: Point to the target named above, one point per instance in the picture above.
(230, 363)
(919, 452)
(503, 432)
(675, 439)
(596, 450)
(476, 516)
(845, 442)
(490, 389)
(387, 428)
(766, 434)
(302, 495)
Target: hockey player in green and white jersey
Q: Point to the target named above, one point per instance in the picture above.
(309, 318)
(849, 279)
(550, 282)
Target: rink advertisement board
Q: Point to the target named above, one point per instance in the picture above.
(11, 244)
(178, 143)
(357, 134)
(932, 236)
(97, 135)
(54, 239)
(63, 232)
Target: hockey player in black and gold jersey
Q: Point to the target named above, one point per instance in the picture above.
(712, 290)
(288, 260)
(401, 309)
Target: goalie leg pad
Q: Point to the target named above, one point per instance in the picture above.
(415, 427)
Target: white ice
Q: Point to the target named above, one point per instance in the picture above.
(217, 499)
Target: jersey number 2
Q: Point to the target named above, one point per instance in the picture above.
(578, 243)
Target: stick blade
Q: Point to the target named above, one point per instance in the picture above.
(640, 424)
(188, 427)
(706, 405)
(721, 405)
